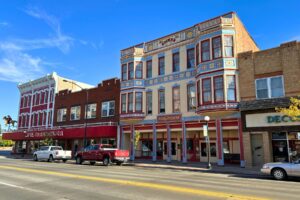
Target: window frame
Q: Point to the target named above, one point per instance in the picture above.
(135, 100)
(159, 108)
(174, 63)
(124, 94)
(209, 50)
(214, 83)
(220, 47)
(188, 58)
(108, 108)
(147, 69)
(232, 47)
(147, 102)
(173, 99)
(159, 66)
(59, 117)
(206, 102)
(136, 69)
(128, 102)
(129, 71)
(235, 92)
(189, 109)
(197, 52)
(75, 106)
(124, 73)
(269, 87)
(85, 113)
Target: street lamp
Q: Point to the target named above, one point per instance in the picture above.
(205, 133)
(85, 109)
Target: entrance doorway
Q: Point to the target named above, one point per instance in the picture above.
(173, 150)
(257, 149)
(280, 147)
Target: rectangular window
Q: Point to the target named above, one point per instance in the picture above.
(42, 98)
(176, 64)
(108, 109)
(124, 72)
(130, 102)
(61, 115)
(206, 90)
(197, 54)
(228, 46)
(130, 71)
(139, 70)
(161, 66)
(123, 103)
(219, 88)
(191, 95)
(198, 93)
(91, 110)
(176, 99)
(149, 69)
(231, 91)
(138, 101)
(37, 99)
(161, 103)
(190, 58)
(149, 103)
(217, 47)
(205, 50)
(269, 87)
(75, 113)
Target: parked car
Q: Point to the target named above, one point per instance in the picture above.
(103, 153)
(51, 153)
(282, 170)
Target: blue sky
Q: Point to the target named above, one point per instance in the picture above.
(82, 39)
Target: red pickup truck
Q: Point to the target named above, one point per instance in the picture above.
(103, 153)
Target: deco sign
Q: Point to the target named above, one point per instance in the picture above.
(45, 134)
(282, 119)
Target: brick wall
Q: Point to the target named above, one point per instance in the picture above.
(106, 91)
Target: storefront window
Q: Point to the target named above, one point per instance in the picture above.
(146, 148)
(213, 149)
(280, 147)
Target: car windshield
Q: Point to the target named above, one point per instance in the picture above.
(44, 148)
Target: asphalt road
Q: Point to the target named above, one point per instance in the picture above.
(26, 179)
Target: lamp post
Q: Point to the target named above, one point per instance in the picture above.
(85, 110)
(205, 133)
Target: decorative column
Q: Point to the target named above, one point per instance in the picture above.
(220, 142)
(169, 152)
(154, 143)
(184, 156)
(132, 156)
(242, 158)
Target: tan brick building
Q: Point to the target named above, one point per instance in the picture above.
(268, 79)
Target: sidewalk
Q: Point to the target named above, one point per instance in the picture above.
(196, 166)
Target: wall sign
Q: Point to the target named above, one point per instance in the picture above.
(169, 118)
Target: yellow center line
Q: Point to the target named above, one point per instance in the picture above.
(171, 188)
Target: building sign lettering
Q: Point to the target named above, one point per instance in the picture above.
(282, 118)
(45, 134)
(169, 118)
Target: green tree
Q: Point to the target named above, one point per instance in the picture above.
(47, 141)
(294, 108)
(137, 137)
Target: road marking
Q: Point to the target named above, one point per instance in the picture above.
(20, 187)
(171, 188)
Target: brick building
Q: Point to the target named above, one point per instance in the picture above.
(268, 79)
(91, 114)
(169, 84)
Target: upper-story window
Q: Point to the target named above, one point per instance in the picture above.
(123, 103)
(24, 102)
(108, 109)
(46, 97)
(205, 50)
(90, 110)
(28, 101)
(206, 90)
(176, 62)
(219, 88)
(217, 47)
(271, 87)
(149, 103)
(197, 54)
(130, 102)
(138, 101)
(176, 99)
(139, 70)
(231, 88)
(37, 99)
(75, 113)
(228, 46)
(130, 71)
(191, 97)
(198, 93)
(190, 58)
(61, 115)
(149, 69)
(161, 66)
(161, 99)
(124, 72)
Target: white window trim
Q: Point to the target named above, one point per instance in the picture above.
(108, 108)
(85, 113)
(60, 115)
(269, 87)
(75, 114)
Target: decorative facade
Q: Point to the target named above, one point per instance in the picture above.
(169, 84)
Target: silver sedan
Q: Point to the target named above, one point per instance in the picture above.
(281, 170)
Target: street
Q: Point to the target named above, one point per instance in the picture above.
(26, 179)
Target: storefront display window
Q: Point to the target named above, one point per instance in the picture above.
(280, 147)
(213, 149)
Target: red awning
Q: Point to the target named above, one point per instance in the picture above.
(62, 133)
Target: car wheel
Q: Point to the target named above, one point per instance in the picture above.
(78, 160)
(35, 158)
(92, 162)
(106, 161)
(119, 163)
(64, 160)
(279, 174)
(50, 158)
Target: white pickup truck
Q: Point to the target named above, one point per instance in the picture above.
(51, 153)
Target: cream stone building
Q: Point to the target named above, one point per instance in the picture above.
(169, 84)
